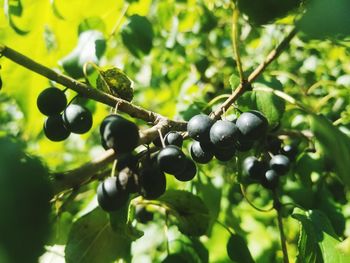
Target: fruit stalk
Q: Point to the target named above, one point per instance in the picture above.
(254, 75)
(277, 206)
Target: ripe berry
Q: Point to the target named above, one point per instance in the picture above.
(253, 168)
(270, 180)
(273, 144)
(189, 173)
(77, 118)
(225, 154)
(244, 145)
(198, 127)
(252, 124)
(200, 155)
(280, 164)
(142, 215)
(110, 197)
(51, 101)
(171, 159)
(224, 134)
(119, 134)
(152, 182)
(128, 180)
(173, 138)
(54, 128)
(290, 151)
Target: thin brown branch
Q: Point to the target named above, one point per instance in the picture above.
(82, 88)
(254, 75)
(63, 181)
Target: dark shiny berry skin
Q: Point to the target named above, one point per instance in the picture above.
(280, 163)
(77, 119)
(152, 182)
(253, 169)
(128, 180)
(142, 215)
(110, 197)
(189, 173)
(290, 151)
(54, 128)
(199, 155)
(173, 138)
(51, 101)
(273, 145)
(270, 180)
(119, 134)
(225, 155)
(224, 134)
(252, 124)
(171, 159)
(198, 127)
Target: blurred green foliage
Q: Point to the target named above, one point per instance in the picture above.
(179, 55)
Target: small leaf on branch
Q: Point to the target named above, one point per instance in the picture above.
(334, 144)
(318, 242)
(237, 250)
(190, 211)
(92, 232)
(114, 81)
(137, 35)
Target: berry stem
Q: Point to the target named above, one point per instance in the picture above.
(243, 87)
(224, 226)
(251, 204)
(235, 36)
(277, 207)
(161, 138)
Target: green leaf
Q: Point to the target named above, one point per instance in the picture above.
(234, 81)
(272, 106)
(319, 23)
(114, 81)
(137, 35)
(318, 241)
(190, 211)
(90, 48)
(90, 234)
(25, 195)
(334, 144)
(92, 23)
(237, 249)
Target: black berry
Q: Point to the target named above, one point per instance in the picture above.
(252, 124)
(224, 134)
(200, 155)
(198, 127)
(152, 182)
(253, 169)
(171, 159)
(77, 119)
(173, 138)
(51, 101)
(110, 197)
(225, 154)
(189, 173)
(54, 128)
(270, 180)
(280, 163)
(119, 134)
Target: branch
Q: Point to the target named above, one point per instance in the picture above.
(63, 181)
(254, 75)
(277, 206)
(235, 32)
(66, 180)
(84, 89)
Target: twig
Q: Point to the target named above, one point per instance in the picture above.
(251, 204)
(277, 206)
(254, 75)
(235, 32)
(84, 89)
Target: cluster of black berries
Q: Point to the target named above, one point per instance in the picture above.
(268, 172)
(143, 175)
(223, 138)
(62, 119)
